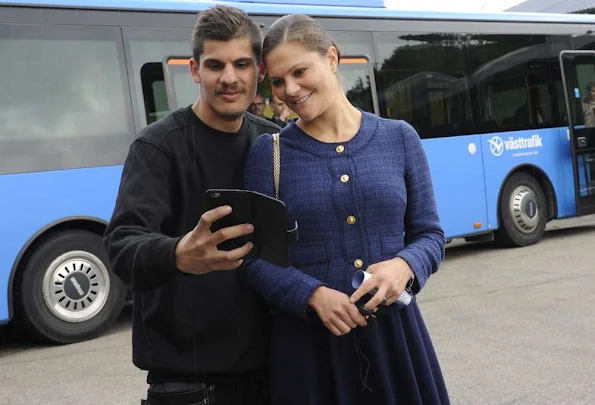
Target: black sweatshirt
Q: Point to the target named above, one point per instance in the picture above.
(205, 328)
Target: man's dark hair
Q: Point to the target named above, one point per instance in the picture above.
(224, 23)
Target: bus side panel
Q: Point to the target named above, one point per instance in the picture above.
(502, 152)
(457, 174)
(32, 201)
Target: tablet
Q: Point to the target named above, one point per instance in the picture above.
(271, 238)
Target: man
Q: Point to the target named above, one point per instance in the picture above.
(257, 106)
(199, 332)
(280, 112)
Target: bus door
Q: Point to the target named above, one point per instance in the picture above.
(578, 78)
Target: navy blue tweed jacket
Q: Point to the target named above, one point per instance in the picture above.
(357, 203)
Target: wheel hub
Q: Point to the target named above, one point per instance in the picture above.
(76, 286)
(524, 209)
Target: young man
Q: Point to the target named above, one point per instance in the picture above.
(199, 332)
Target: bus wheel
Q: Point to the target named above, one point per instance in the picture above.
(523, 212)
(66, 292)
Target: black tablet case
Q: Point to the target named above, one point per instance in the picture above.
(271, 238)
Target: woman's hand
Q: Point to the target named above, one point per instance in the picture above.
(389, 277)
(336, 312)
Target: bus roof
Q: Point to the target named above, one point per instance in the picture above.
(318, 8)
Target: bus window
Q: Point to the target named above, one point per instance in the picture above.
(356, 72)
(353, 43)
(512, 78)
(458, 84)
(357, 79)
(181, 90)
(77, 101)
(154, 94)
(516, 100)
(559, 105)
(145, 50)
(420, 79)
(184, 91)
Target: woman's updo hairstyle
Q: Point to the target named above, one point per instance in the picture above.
(300, 28)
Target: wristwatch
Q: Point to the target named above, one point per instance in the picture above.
(410, 282)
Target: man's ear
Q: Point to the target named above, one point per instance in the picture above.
(262, 71)
(194, 71)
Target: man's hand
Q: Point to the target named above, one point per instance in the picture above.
(197, 252)
(335, 311)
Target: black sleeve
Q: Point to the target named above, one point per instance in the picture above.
(139, 253)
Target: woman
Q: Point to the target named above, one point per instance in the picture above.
(360, 188)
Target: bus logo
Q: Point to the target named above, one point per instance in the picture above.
(77, 286)
(498, 145)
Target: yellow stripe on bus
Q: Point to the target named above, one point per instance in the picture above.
(353, 60)
(178, 61)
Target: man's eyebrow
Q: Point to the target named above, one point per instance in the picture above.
(245, 59)
(214, 60)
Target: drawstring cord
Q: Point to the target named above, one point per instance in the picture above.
(363, 375)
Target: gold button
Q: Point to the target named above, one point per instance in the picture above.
(351, 220)
(345, 178)
(340, 149)
(358, 263)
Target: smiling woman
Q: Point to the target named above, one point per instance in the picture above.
(376, 175)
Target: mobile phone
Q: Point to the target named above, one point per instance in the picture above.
(271, 237)
(242, 212)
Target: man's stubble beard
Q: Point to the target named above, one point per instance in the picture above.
(229, 116)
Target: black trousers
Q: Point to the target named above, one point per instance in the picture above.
(181, 393)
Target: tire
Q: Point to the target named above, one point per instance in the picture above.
(65, 292)
(523, 212)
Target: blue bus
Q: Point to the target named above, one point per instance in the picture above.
(502, 103)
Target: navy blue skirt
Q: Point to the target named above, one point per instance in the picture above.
(391, 361)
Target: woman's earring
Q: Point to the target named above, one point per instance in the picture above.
(334, 70)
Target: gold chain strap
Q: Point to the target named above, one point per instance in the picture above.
(276, 163)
